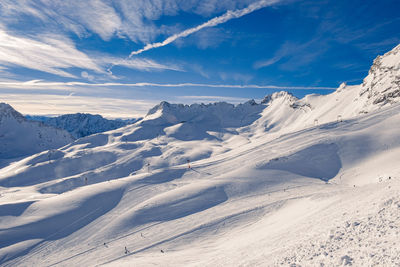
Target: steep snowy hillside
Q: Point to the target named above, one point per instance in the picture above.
(197, 121)
(381, 88)
(382, 85)
(280, 112)
(309, 182)
(20, 137)
(81, 125)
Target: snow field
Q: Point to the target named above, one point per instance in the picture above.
(305, 182)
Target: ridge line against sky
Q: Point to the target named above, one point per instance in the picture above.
(210, 23)
(242, 49)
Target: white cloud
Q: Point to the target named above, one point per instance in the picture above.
(55, 104)
(87, 76)
(38, 84)
(206, 38)
(75, 15)
(137, 63)
(210, 23)
(268, 62)
(108, 18)
(44, 46)
(238, 77)
(295, 55)
(52, 54)
(56, 54)
(42, 97)
(287, 49)
(47, 104)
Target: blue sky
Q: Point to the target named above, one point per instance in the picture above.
(118, 58)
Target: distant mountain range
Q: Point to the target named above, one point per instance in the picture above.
(280, 112)
(21, 137)
(82, 124)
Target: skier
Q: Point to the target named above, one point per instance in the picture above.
(188, 162)
(148, 167)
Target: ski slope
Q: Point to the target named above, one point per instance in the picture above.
(283, 182)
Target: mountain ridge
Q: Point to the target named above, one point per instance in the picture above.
(20, 137)
(82, 124)
(215, 185)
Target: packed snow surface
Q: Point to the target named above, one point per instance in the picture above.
(309, 182)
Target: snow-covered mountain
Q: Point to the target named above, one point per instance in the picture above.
(82, 124)
(382, 85)
(20, 137)
(280, 112)
(284, 182)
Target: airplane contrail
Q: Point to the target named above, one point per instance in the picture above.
(45, 85)
(211, 23)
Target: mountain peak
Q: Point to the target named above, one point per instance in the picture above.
(286, 96)
(382, 85)
(8, 111)
(163, 106)
(20, 137)
(80, 124)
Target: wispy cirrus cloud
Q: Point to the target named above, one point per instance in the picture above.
(109, 18)
(268, 62)
(80, 17)
(52, 54)
(108, 99)
(52, 104)
(57, 54)
(295, 54)
(229, 15)
(143, 64)
(44, 45)
(56, 104)
(38, 84)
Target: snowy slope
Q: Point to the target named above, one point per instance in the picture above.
(81, 124)
(20, 137)
(283, 182)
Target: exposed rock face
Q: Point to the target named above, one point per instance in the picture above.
(283, 95)
(382, 85)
